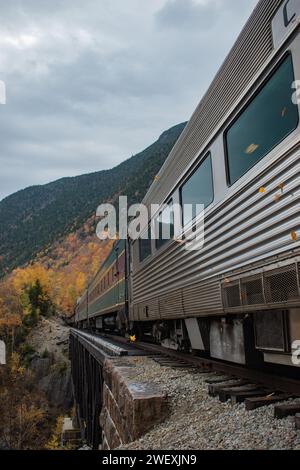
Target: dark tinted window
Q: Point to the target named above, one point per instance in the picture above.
(267, 120)
(197, 190)
(145, 246)
(165, 226)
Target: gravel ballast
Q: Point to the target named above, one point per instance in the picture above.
(199, 421)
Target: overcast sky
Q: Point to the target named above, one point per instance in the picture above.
(91, 82)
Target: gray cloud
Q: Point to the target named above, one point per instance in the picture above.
(188, 14)
(91, 82)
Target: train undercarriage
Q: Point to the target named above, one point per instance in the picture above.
(262, 337)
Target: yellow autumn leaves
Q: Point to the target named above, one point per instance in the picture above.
(277, 197)
(294, 236)
(263, 190)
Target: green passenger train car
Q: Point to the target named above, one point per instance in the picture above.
(104, 304)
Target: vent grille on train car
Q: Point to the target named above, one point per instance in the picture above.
(281, 285)
(232, 297)
(252, 291)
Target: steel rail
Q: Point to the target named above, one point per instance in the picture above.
(266, 378)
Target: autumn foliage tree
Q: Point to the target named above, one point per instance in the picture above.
(23, 411)
(53, 282)
(10, 313)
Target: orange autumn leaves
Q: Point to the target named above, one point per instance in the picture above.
(14, 305)
(10, 306)
(22, 278)
(63, 272)
(277, 197)
(72, 263)
(294, 236)
(263, 190)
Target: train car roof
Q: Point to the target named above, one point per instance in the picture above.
(250, 51)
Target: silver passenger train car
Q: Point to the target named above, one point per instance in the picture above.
(238, 298)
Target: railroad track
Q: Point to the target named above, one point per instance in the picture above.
(226, 381)
(266, 378)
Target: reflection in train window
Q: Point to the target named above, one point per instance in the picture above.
(198, 190)
(165, 225)
(268, 119)
(145, 246)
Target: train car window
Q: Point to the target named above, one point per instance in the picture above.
(165, 225)
(269, 118)
(198, 189)
(145, 246)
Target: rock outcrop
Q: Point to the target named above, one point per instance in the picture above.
(50, 365)
(56, 383)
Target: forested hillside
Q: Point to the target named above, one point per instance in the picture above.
(34, 219)
(49, 252)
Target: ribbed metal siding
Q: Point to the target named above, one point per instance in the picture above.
(246, 227)
(81, 309)
(171, 303)
(202, 299)
(251, 50)
(151, 313)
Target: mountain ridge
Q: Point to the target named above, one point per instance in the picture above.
(35, 217)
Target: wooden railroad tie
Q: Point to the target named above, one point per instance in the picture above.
(282, 411)
(236, 393)
(258, 402)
